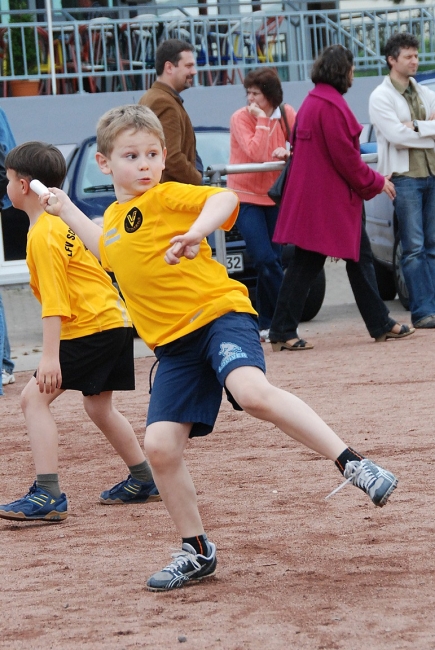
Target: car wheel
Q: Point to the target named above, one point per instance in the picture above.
(385, 280)
(402, 290)
(315, 298)
(316, 295)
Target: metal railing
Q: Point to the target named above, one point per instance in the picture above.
(109, 53)
(215, 174)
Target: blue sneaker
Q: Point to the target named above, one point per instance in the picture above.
(131, 491)
(186, 566)
(36, 505)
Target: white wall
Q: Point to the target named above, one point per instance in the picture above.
(71, 118)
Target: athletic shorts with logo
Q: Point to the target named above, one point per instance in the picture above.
(192, 371)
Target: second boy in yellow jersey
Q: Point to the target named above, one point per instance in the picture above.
(87, 345)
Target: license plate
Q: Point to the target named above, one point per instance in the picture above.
(235, 263)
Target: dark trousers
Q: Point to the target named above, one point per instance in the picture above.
(301, 275)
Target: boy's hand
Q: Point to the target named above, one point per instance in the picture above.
(63, 202)
(48, 374)
(186, 245)
(88, 231)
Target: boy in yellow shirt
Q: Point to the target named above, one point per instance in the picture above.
(199, 322)
(87, 344)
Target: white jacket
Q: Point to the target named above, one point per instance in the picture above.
(388, 109)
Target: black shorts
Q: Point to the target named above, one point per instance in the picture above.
(103, 361)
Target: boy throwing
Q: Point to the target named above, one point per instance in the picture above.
(199, 322)
(87, 344)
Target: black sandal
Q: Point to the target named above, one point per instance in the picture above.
(405, 330)
(300, 344)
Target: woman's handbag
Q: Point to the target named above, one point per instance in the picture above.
(276, 191)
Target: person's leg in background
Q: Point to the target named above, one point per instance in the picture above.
(362, 278)
(2, 333)
(429, 230)
(412, 204)
(8, 365)
(300, 275)
(256, 224)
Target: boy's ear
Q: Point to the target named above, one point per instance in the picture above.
(25, 186)
(103, 163)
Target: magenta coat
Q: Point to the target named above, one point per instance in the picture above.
(321, 209)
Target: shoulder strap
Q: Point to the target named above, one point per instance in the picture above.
(284, 117)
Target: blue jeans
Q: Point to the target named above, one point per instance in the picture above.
(257, 225)
(415, 210)
(301, 274)
(7, 363)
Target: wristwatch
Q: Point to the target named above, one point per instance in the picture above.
(415, 125)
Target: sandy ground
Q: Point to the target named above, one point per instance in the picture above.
(294, 570)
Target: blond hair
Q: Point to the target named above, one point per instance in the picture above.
(131, 117)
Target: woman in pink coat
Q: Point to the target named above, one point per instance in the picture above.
(321, 210)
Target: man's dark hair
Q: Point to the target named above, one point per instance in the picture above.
(171, 50)
(399, 41)
(38, 160)
(333, 67)
(266, 80)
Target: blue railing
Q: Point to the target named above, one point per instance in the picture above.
(116, 51)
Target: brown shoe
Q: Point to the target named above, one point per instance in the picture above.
(426, 323)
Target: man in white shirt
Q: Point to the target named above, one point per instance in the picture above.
(403, 113)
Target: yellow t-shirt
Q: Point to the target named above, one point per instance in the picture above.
(69, 282)
(167, 301)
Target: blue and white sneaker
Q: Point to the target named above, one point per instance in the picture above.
(131, 491)
(36, 505)
(372, 479)
(187, 565)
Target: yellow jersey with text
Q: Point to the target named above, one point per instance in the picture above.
(167, 301)
(69, 282)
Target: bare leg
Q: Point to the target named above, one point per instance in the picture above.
(165, 443)
(115, 427)
(259, 398)
(41, 427)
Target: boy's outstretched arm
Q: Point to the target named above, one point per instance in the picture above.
(216, 211)
(84, 228)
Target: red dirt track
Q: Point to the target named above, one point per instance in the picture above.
(294, 571)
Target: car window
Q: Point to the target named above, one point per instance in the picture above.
(365, 133)
(91, 177)
(430, 85)
(213, 147)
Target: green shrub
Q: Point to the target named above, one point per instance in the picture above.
(23, 43)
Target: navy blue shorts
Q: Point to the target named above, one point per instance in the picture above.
(192, 371)
(99, 362)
